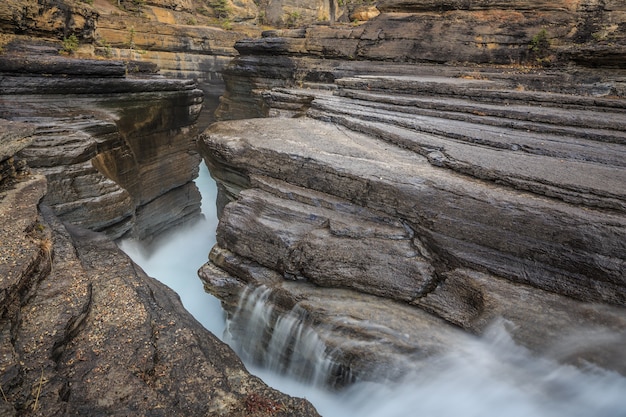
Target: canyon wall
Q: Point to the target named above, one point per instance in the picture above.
(119, 153)
(84, 331)
(544, 39)
(444, 166)
(94, 138)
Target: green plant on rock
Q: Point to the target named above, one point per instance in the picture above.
(261, 18)
(227, 24)
(293, 18)
(204, 11)
(70, 45)
(131, 38)
(539, 47)
(221, 8)
(108, 52)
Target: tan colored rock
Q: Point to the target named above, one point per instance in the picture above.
(55, 18)
(177, 5)
(364, 13)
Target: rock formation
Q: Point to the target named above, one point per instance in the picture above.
(107, 145)
(116, 150)
(396, 204)
(84, 331)
(386, 186)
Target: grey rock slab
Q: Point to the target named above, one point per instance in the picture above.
(524, 237)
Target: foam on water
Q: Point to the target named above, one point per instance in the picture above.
(281, 343)
(490, 376)
(482, 377)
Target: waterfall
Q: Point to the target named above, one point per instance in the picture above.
(490, 376)
(282, 343)
(175, 257)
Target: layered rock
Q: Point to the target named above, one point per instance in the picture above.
(56, 18)
(118, 152)
(387, 221)
(184, 40)
(179, 50)
(473, 193)
(544, 41)
(85, 331)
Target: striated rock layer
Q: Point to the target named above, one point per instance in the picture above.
(339, 209)
(452, 195)
(118, 152)
(84, 331)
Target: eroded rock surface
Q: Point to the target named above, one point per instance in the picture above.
(118, 152)
(84, 331)
(473, 193)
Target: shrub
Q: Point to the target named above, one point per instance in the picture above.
(70, 45)
(227, 24)
(221, 9)
(539, 46)
(293, 18)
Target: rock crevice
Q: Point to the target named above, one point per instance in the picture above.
(85, 331)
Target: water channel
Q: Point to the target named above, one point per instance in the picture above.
(490, 376)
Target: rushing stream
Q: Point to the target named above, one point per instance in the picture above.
(176, 257)
(491, 376)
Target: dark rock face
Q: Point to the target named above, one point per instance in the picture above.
(84, 331)
(119, 153)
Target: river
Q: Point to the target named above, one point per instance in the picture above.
(488, 376)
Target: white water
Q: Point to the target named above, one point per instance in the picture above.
(176, 257)
(280, 343)
(490, 376)
(485, 377)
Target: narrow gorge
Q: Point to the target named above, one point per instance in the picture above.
(396, 180)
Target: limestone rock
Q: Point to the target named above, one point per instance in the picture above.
(364, 13)
(400, 188)
(504, 167)
(505, 33)
(444, 5)
(94, 335)
(350, 205)
(180, 51)
(295, 13)
(85, 331)
(111, 160)
(50, 18)
(13, 138)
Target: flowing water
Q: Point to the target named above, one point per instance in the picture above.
(174, 259)
(490, 376)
